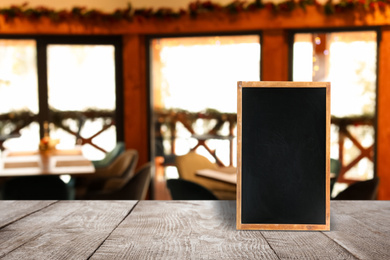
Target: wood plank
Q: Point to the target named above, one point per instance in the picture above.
(11, 211)
(362, 228)
(359, 230)
(305, 245)
(364, 209)
(68, 229)
(183, 230)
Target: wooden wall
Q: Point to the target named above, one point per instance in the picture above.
(274, 66)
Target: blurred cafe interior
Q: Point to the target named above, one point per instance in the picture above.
(117, 100)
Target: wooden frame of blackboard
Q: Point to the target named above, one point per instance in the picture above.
(323, 176)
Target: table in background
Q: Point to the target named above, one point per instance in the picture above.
(182, 230)
(53, 162)
(225, 174)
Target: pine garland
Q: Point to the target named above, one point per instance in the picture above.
(194, 9)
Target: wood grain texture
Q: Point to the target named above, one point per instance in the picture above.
(11, 211)
(362, 228)
(305, 245)
(65, 230)
(183, 230)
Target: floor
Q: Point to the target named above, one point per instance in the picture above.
(161, 191)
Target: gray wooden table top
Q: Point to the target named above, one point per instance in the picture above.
(181, 230)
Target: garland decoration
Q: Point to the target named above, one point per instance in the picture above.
(78, 13)
(194, 9)
(169, 117)
(16, 120)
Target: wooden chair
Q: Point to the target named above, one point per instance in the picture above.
(335, 167)
(187, 190)
(189, 163)
(135, 189)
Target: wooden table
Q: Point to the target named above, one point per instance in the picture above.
(55, 162)
(181, 230)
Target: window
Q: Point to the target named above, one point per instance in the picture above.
(19, 92)
(194, 91)
(72, 82)
(349, 61)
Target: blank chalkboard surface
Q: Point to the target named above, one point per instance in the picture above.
(283, 155)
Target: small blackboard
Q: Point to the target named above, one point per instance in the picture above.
(283, 162)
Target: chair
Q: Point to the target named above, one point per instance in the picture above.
(189, 163)
(335, 167)
(187, 190)
(168, 159)
(116, 175)
(36, 188)
(110, 178)
(135, 189)
(362, 190)
(110, 156)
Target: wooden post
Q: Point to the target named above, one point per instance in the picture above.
(274, 55)
(135, 96)
(383, 128)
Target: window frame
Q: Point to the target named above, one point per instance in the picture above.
(148, 69)
(291, 34)
(42, 41)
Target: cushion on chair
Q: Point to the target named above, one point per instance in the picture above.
(110, 156)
